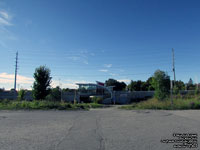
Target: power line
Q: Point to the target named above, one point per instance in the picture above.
(89, 75)
(98, 67)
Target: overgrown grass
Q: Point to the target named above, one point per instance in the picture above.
(178, 104)
(45, 105)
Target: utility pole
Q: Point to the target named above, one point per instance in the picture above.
(171, 91)
(173, 70)
(60, 84)
(16, 62)
(173, 65)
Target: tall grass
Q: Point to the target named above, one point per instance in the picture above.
(178, 104)
(44, 105)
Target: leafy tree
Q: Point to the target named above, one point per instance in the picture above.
(178, 86)
(190, 85)
(122, 85)
(68, 90)
(137, 86)
(118, 86)
(41, 85)
(140, 85)
(2, 89)
(132, 85)
(190, 82)
(161, 83)
(149, 84)
(55, 94)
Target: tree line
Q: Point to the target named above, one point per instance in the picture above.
(159, 82)
(148, 85)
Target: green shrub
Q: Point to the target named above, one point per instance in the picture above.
(97, 99)
(21, 95)
(55, 94)
(197, 91)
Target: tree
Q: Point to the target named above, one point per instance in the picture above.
(149, 84)
(68, 90)
(132, 86)
(161, 83)
(55, 94)
(137, 86)
(118, 86)
(41, 85)
(2, 89)
(190, 82)
(190, 85)
(178, 86)
(140, 85)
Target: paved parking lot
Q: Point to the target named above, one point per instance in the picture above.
(97, 129)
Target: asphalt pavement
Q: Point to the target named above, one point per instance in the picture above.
(97, 129)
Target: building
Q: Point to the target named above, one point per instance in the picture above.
(87, 90)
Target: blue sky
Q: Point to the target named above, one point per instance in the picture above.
(85, 41)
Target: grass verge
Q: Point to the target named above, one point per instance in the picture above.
(178, 104)
(45, 105)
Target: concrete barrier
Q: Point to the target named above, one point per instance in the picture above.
(11, 95)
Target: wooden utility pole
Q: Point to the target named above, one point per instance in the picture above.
(171, 91)
(173, 70)
(60, 84)
(173, 66)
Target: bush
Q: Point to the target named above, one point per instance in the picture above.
(97, 99)
(175, 90)
(55, 94)
(21, 95)
(44, 105)
(197, 91)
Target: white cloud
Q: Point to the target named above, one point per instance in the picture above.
(7, 81)
(5, 19)
(67, 83)
(5, 15)
(5, 34)
(108, 65)
(113, 74)
(81, 56)
(9, 78)
(103, 70)
(4, 22)
(127, 81)
(70, 86)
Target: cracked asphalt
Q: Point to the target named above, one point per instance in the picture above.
(97, 129)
